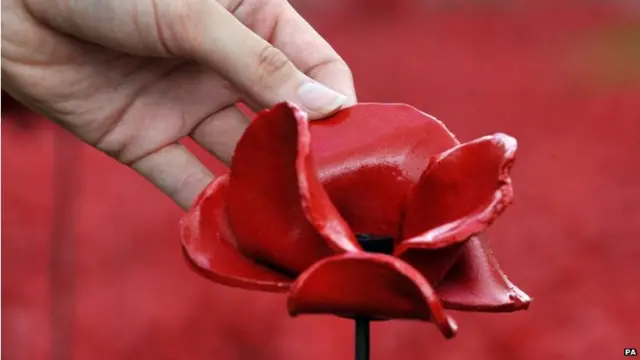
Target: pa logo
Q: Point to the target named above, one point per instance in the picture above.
(630, 352)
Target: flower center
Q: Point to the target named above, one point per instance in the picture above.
(375, 243)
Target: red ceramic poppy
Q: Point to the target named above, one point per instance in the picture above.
(305, 204)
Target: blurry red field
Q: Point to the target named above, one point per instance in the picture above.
(563, 79)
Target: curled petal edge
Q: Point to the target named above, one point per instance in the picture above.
(477, 283)
(366, 284)
(280, 212)
(317, 206)
(458, 231)
(215, 257)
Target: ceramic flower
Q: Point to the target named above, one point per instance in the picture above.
(374, 212)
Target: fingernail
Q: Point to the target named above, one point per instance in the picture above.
(319, 98)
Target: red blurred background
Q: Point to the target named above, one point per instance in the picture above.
(91, 261)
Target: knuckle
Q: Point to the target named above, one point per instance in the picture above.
(179, 30)
(116, 147)
(273, 65)
(342, 66)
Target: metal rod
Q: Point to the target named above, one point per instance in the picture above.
(362, 339)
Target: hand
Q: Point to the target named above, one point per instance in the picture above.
(134, 77)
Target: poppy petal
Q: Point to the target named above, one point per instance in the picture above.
(210, 246)
(279, 211)
(476, 283)
(460, 194)
(370, 155)
(367, 285)
(433, 264)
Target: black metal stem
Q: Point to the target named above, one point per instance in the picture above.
(362, 339)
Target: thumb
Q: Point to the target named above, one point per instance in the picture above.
(270, 77)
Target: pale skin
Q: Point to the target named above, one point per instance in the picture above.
(134, 77)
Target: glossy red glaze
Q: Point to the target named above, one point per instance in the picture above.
(370, 155)
(297, 192)
(278, 209)
(476, 283)
(212, 248)
(350, 295)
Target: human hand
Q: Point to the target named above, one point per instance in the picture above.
(134, 77)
